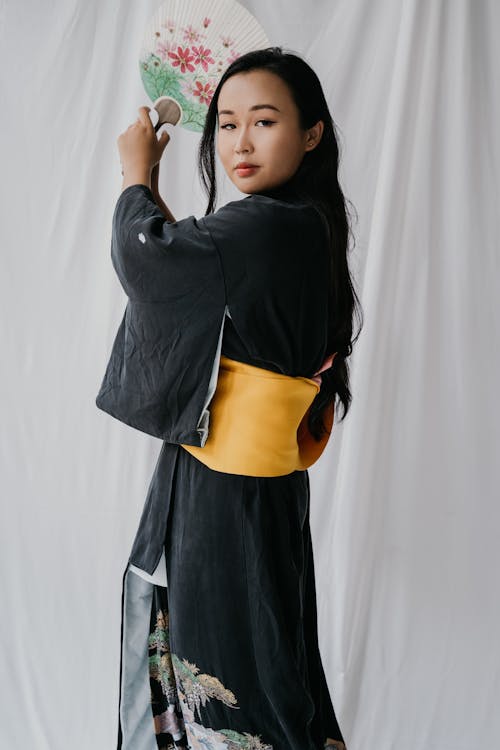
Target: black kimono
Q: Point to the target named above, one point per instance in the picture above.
(219, 644)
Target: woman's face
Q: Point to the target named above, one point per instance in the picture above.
(268, 137)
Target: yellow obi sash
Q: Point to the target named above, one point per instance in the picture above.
(258, 422)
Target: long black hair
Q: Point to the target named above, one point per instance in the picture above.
(315, 179)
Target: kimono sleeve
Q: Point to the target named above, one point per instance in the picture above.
(157, 260)
(164, 361)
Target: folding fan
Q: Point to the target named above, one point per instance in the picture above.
(186, 47)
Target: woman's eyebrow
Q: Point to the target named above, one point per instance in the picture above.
(250, 109)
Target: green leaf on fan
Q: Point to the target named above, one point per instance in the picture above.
(194, 115)
(159, 79)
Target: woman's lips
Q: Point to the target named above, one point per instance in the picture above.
(245, 171)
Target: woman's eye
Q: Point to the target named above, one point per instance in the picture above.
(223, 127)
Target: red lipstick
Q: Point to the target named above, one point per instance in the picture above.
(244, 168)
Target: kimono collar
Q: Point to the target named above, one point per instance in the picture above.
(286, 191)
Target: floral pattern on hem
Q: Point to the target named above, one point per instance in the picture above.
(177, 692)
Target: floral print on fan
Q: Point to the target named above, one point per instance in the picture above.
(178, 687)
(181, 65)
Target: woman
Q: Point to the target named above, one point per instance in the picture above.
(232, 350)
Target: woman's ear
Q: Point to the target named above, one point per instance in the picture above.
(314, 135)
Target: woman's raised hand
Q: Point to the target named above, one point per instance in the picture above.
(138, 145)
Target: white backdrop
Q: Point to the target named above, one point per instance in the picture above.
(405, 511)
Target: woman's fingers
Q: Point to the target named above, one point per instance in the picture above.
(139, 141)
(145, 118)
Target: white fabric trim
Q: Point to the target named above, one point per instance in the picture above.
(159, 576)
(136, 716)
(204, 419)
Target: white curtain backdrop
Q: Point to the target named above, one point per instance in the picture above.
(405, 500)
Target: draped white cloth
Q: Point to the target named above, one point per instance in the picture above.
(405, 511)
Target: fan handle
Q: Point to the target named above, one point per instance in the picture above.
(169, 111)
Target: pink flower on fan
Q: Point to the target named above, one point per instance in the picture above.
(206, 21)
(202, 56)
(204, 91)
(182, 58)
(191, 35)
(232, 56)
(163, 48)
(169, 25)
(227, 41)
(187, 87)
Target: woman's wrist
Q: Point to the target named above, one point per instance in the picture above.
(142, 175)
(139, 174)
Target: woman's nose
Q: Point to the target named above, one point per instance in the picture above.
(242, 142)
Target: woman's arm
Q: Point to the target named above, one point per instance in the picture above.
(156, 193)
(139, 149)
